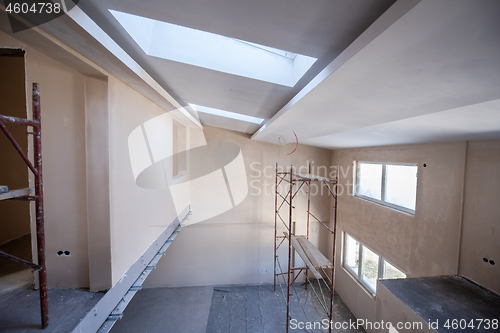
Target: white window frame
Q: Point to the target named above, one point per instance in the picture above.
(383, 186)
(359, 275)
(382, 269)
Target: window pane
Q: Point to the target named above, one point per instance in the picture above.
(391, 272)
(370, 180)
(401, 185)
(369, 270)
(351, 253)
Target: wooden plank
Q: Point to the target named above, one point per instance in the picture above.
(25, 192)
(314, 178)
(315, 256)
(303, 255)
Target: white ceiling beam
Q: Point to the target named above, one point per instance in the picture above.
(394, 13)
(84, 21)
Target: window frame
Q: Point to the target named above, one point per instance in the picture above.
(382, 269)
(344, 255)
(179, 148)
(383, 186)
(358, 276)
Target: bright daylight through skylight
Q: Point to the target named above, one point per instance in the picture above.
(227, 114)
(224, 54)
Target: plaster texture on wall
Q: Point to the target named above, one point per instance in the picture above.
(64, 168)
(481, 221)
(387, 302)
(233, 247)
(13, 171)
(98, 196)
(118, 232)
(63, 142)
(63, 146)
(138, 215)
(425, 244)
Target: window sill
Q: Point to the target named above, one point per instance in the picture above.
(366, 289)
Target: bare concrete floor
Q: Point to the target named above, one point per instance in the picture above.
(442, 299)
(258, 309)
(235, 309)
(20, 304)
(167, 310)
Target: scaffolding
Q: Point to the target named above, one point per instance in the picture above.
(31, 194)
(315, 262)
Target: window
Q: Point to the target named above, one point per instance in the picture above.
(369, 267)
(393, 185)
(179, 162)
(351, 254)
(216, 52)
(391, 272)
(369, 180)
(366, 266)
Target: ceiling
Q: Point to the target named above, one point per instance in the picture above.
(322, 31)
(387, 72)
(433, 75)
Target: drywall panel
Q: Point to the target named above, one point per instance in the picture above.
(236, 247)
(423, 244)
(481, 221)
(97, 158)
(13, 170)
(138, 215)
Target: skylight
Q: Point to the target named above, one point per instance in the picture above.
(224, 54)
(227, 114)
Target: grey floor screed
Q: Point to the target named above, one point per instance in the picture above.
(161, 310)
(257, 309)
(235, 309)
(20, 305)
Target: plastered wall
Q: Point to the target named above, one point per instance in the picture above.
(138, 215)
(98, 194)
(392, 309)
(15, 218)
(481, 221)
(425, 244)
(454, 227)
(63, 146)
(93, 206)
(236, 247)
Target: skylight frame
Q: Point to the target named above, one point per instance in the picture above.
(216, 52)
(227, 114)
(282, 53)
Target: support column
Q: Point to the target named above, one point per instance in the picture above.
(98, 200)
